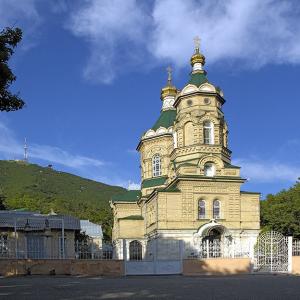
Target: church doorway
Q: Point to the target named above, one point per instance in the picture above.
(211, 243)
(213, 235)
(135, 250)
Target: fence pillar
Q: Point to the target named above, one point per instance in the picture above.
(124, 255)
(181, 254)
(290, 253)
(16, 239)
(207, 248)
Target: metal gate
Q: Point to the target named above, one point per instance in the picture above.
(155, 257)
(271, 253)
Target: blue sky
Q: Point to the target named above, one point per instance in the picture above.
(91, 73)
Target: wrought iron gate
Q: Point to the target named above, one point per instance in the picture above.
(271, 253)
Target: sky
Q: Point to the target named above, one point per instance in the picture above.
(91, 72)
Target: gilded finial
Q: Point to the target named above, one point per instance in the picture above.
(169, 89)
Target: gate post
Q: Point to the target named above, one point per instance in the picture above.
(181, 255)
(124, 256)
(290, 253)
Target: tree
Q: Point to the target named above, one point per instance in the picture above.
(2, 198)
(9, 38)
(281, 212)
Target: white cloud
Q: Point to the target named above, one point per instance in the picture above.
(23, 14)
(106, 25)
(256, 32)
(133, 186)
(11, 148)
(260, 171)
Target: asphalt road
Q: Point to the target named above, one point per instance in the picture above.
(151, 287)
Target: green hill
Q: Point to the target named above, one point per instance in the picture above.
(36, 188)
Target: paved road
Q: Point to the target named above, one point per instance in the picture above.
(151, 287)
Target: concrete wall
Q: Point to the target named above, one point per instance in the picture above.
(217, 266)
(296, 265)
(12, 267)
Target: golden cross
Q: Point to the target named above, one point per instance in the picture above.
(169, 70)
(197, 43)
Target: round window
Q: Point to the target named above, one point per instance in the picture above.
(189, 102)
(206, 100)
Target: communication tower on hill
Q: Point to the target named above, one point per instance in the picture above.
(25, 150)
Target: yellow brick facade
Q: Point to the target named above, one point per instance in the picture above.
(190, 140)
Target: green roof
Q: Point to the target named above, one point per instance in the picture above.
(227, 165)
(166, 119)
(197, 79)
(255, 193)
(132, 217)
(128, 196)
(156, 181)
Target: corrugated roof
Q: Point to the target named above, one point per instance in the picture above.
(36, 221)
(91, 229)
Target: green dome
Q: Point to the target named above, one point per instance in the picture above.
(166, 119)
(198, 78)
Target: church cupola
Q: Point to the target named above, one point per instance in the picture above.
(198, 59)
(168, 93)
(198, 74)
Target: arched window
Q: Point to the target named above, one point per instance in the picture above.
(201, 209)
(135, 250)
(188, 134)
(209, 169)
(208, 132)
(156, 165)
(216, 209)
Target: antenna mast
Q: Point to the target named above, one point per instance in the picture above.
(25, 150)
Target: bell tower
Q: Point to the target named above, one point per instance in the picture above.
(200, 129)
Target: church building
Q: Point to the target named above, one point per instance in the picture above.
(190, 191)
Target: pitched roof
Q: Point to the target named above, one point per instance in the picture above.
(166, 119)
(156, 181)
(128, 196)
(32, 220)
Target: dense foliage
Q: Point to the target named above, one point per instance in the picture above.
(281, 212)
(9, 39)
(2, 199)
(42, 189)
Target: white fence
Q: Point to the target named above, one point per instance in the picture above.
(38, 247)
(221, 249)
(90, 250)
(296, 247)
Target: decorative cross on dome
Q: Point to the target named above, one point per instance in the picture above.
(197, 43)
(169, 70)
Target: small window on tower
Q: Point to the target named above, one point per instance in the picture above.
(156, 165)
(209, 169)
(208, 132)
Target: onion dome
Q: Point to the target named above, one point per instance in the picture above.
(198, 75)
(169, 89)
(198, 59)
(168, 93)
